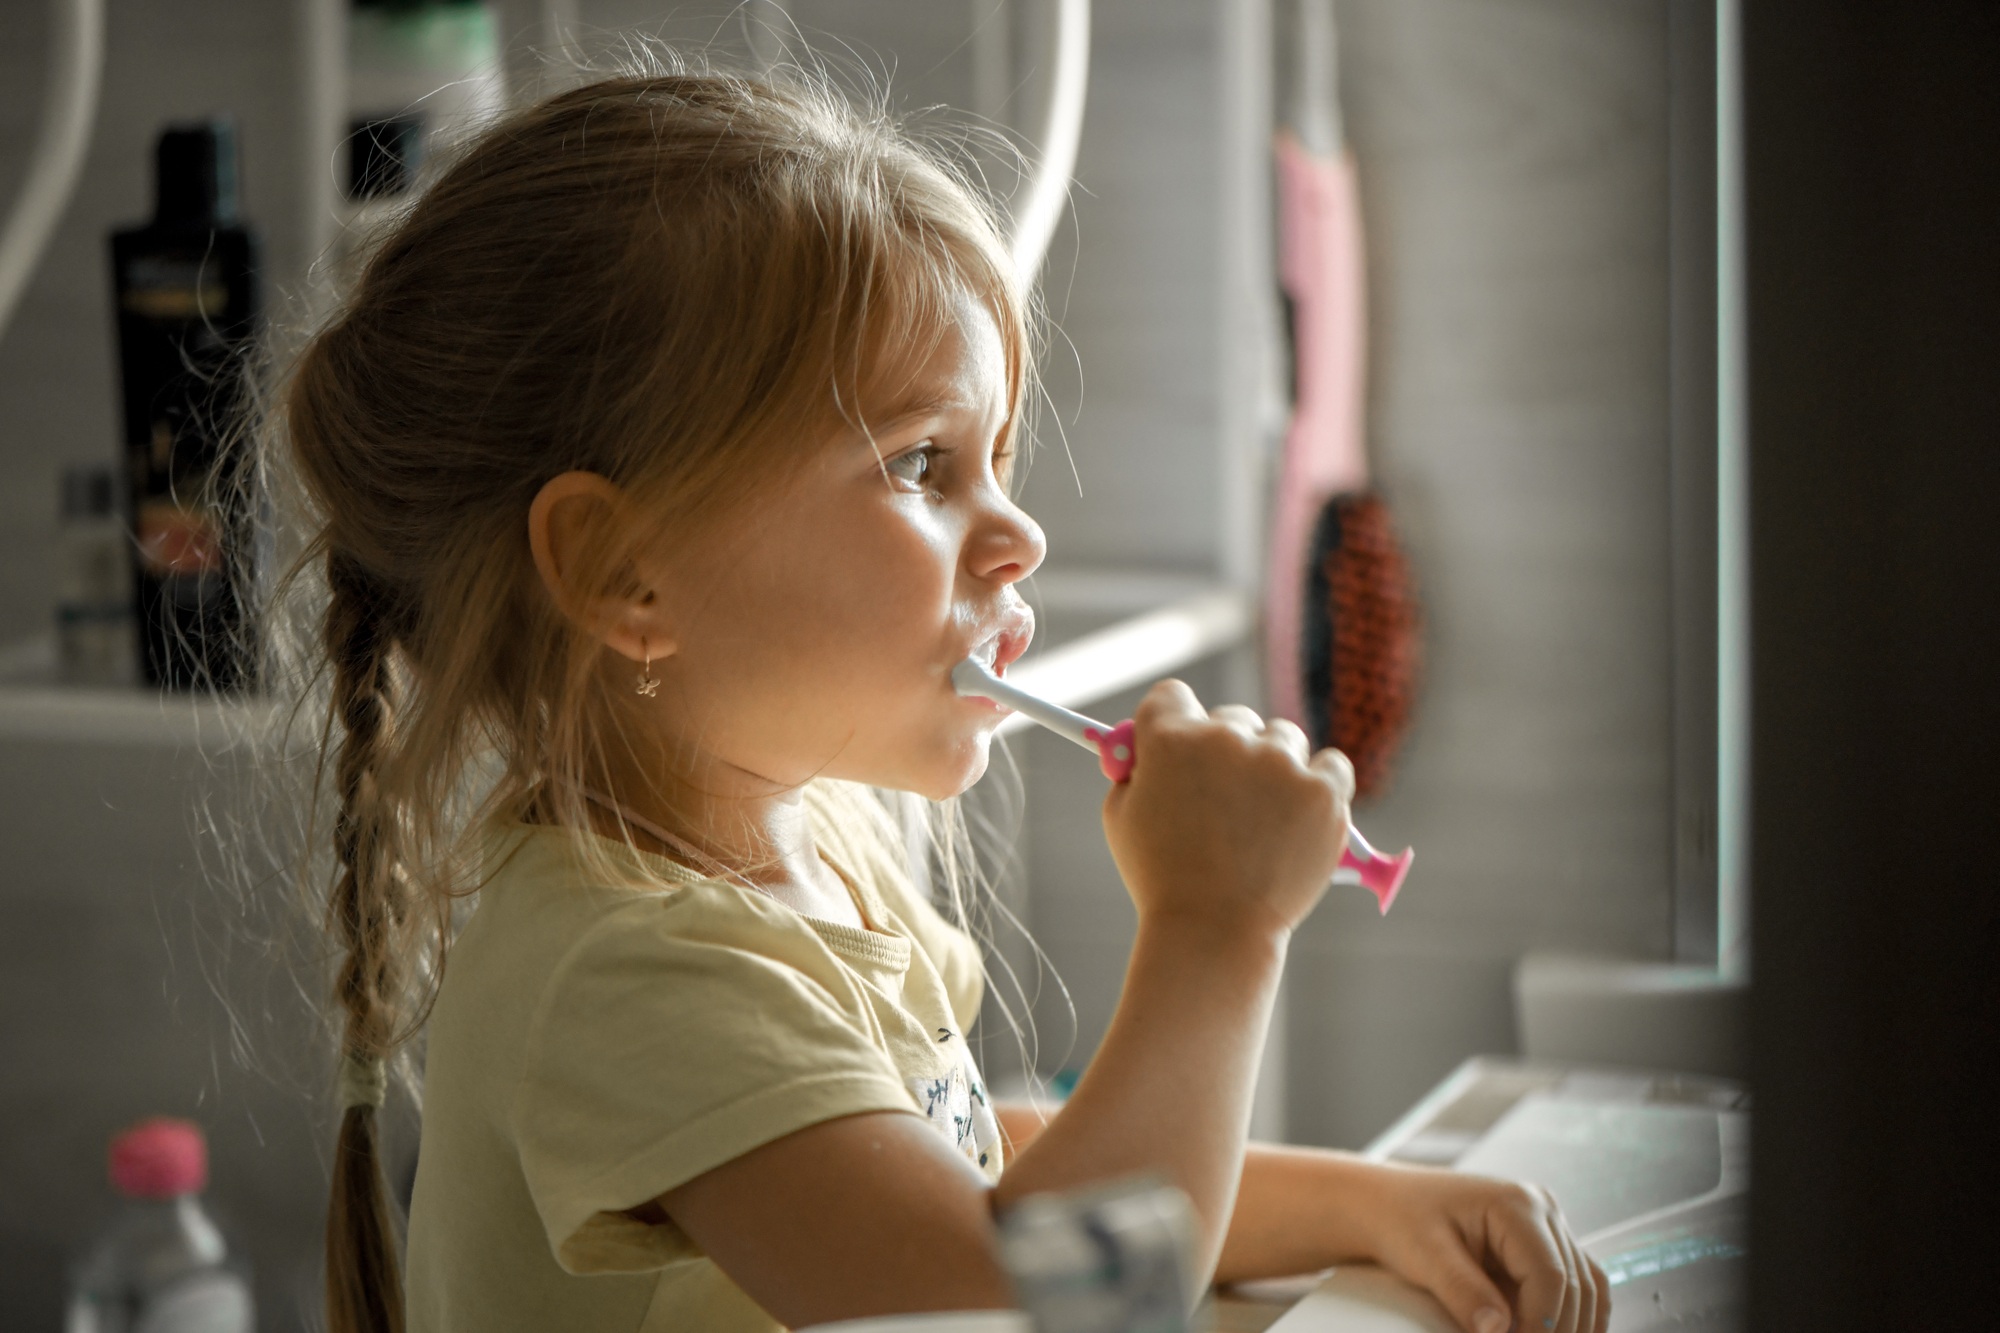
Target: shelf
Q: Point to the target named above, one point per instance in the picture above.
(34, 706)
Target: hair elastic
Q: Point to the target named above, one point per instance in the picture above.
(364, 1081)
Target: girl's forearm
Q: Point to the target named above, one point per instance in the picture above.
(1298, 1210)
(1169, 1089)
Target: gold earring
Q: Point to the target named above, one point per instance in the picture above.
(647, 685)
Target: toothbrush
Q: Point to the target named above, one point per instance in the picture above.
(1116, 752)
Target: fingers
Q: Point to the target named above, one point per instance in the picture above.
(1579, 1295)
(1467, 1294)
(1285, 733)
(1509, 1238)
(1334, 767)
(1597, 1287)
(1525, 1242)
(1237, 718)
(1278, 731)
(1173, 699)
(1588, 1295)
(1169, 701)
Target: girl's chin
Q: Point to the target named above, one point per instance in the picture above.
(959, 771)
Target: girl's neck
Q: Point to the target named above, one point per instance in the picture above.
(762, 840)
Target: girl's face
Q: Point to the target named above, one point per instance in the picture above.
(816, 635)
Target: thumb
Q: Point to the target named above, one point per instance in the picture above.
(1468, 1294)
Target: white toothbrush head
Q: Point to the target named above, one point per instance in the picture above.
(972, 676)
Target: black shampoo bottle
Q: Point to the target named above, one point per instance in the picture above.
(186, 291)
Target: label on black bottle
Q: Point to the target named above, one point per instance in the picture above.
(167, 288)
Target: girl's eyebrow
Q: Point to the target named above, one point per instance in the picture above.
(913, 412)
(925, 406)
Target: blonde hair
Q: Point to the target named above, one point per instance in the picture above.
(660, 279)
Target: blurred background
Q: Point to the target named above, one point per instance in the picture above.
(1547, 268)
(1515, 165)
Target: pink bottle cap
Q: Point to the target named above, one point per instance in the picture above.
(159, 1158)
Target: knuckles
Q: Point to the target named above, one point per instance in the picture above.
(1528, 1203)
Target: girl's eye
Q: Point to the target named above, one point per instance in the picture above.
(913, 468)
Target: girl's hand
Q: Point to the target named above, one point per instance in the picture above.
(1229, 821)
(1496, 1255)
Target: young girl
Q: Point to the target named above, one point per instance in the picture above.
(661, 464)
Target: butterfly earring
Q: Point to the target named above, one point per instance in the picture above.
(647, 685)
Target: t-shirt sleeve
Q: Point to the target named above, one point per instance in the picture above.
(676, 1036)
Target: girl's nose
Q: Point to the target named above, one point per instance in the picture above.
(1007, 546)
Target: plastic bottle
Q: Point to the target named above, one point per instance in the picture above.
(163, 1266)
(186, 289)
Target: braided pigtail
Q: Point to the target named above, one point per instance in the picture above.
(366, 912)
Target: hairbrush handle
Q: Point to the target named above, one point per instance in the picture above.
(1117, 750)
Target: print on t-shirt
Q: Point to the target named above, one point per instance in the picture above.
(958, 1105)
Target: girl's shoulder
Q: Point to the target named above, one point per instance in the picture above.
(540, 889)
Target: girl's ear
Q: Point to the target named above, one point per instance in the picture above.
(575, 519)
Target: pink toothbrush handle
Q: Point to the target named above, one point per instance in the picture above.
(1380, 875)
(1115, 750)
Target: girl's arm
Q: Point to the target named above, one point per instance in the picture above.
(1226, 837)
(1299, 1210)
(877, 1214)
(1487, 1249)
(1168, 1091)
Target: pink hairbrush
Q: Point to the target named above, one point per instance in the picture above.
(1116, 753)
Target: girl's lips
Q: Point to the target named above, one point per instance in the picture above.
(1013, 642)
(1006, 643)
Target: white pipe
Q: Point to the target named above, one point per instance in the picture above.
(69, 108)
(1138, 651)
(1315, 99)
(1732, 514)
(1254, 406)
(1038, 208)
(322, 90)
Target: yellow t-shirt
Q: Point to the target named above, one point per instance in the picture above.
(593, 1047)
